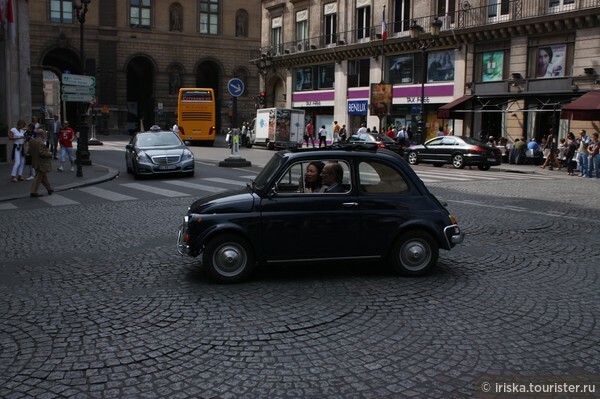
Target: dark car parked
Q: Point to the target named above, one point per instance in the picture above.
(458, 151)
(383, 212)
(158, 152)
(381, 140)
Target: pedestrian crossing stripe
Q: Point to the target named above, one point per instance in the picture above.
(226, 181)
(58, 200)
(200, 187)
(107, 194)
(155, 190)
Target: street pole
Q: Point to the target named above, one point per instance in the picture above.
(83, 155)
(421, 123)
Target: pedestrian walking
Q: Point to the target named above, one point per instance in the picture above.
(582, 153)
(310, 133)
(594, 157)
(17, 135)
(67, 136)
(322, 136)
(41, 161)
(570, 153)
(55, 126)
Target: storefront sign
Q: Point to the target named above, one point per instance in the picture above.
(357, 107)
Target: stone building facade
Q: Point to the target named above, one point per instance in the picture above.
(468, 67)
(141, 52)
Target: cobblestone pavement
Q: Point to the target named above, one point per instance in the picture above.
(95, 302)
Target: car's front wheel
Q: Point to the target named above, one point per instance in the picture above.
(458, 161)
(412, 158)
(414, 253)
(228, 258)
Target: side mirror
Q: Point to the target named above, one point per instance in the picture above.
(188, 143)
(129, 147)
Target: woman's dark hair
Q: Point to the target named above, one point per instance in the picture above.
(316, 185)
(548, 51)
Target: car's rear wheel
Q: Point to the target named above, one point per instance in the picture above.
(414, 254)
(228, 258)
(458, 161)
(412, 158)
(483, 167)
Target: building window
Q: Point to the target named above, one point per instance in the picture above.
(363, 22)
(301, 30)
(401, 15)
(358, 73)
(498, 10)
(61, 11)
(326, 76)
(209, 17)
(330, 28)
(276, 36)
(139, 13)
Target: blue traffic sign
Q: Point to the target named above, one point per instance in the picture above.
(235, 87)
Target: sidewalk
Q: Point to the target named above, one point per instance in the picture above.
(60, 181)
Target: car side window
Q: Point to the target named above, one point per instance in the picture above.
(437, 141)
(449, 141)
(376, 177)
(296, 181)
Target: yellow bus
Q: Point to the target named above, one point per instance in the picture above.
(196, 115)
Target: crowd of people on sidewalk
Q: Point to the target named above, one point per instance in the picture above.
(33, 146)
(570, 153)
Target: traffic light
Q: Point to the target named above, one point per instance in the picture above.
(262, 100)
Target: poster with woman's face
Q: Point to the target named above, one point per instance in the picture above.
(440, 66)
(492, 67)
(551, 61)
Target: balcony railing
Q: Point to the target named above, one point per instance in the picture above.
(467, 17)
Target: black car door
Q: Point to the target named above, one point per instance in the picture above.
(298, 226)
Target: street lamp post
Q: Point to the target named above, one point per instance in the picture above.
(83, 154)
(415, 31)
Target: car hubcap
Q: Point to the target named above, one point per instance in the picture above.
(415, 255)
(229, 260)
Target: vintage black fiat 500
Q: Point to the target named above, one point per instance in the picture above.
(380, 210)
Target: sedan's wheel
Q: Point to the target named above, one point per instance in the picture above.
(483, 167)
(129, 170)
(412, 158)
(414, 253)
(458, 161)
(228, 258)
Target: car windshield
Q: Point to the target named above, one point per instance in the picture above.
(162, 139)
(266, 175)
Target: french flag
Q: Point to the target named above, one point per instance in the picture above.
(7, 18)
(383, 25)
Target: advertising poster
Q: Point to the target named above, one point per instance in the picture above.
(440, 66)
(492, 67)
(551, 61)
(401, 69)
(304, 79)
(381, 99)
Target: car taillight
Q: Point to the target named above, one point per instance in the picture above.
(478, 149)
(380, 145)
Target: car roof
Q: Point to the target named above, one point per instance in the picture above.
(345, 150)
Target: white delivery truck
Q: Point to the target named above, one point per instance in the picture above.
(279, 127)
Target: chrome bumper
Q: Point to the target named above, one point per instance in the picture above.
(454, 234)
(182, 246)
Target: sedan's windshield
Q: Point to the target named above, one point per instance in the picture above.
(162, 139)
(266, 175)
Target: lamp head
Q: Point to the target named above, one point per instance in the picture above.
(436, 26)
(517, 76)
(415, 29)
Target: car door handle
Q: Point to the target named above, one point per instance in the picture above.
(350, 204)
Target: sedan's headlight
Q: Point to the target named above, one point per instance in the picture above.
(187, 154)
(142, 156)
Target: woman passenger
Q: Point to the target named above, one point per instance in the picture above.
(312, 177)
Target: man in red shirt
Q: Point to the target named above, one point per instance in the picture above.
(67, 135)
(310, 133)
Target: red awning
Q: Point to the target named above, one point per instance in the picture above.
(448, 111)
(585, 108)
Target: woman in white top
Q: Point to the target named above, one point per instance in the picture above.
(17, 135)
